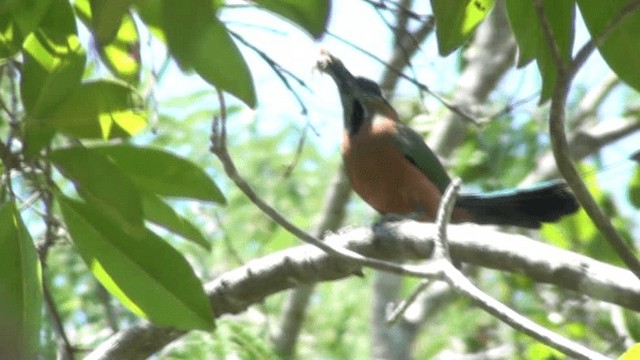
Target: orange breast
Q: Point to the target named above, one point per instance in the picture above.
(384, 178)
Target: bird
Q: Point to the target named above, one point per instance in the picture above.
(392, 169)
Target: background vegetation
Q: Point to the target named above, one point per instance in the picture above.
(119, 229)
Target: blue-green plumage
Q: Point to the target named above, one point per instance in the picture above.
(526, 207)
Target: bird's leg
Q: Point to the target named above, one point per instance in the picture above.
(391, 217)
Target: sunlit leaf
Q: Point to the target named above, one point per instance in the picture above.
(106, 17)
(456, 20)
(20, 286)
(53, 64)
(17, 20)
(622, 43)
(199, 41)
(311, 15)
(102, 183)
(526, 29)
(122, 54)
(99, 109)
(532, 42)
(146, 274)
(163, 173)
(633, 353)
(53, 61)
(160, 213)
(10, 37)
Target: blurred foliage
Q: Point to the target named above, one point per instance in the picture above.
(107, 193)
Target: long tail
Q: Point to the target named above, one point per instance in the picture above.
(529, 207)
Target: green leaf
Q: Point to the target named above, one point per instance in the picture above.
(120, 52)
(632, 353)
(622, 43)
(102, 183)
(20, 286)
(160, 213)
(634, 188)
(456, 20)
(122, 55)
(53, 61)
(526, 29)
(150, 12)
(199, 41)
(10, 37)
(99, 109)
(531, 39)
(17, 20)
(311, 15)
(561, 16)
(163, 173)
(146, 274)
(106, 17)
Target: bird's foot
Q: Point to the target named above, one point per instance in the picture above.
(387, 218)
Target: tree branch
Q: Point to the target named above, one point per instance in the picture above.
(584, 142)
(236, 290)
(560, 145)
(463, 285)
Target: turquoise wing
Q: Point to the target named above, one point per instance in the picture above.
(414, 148)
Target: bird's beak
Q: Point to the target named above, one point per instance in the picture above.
(333, 67)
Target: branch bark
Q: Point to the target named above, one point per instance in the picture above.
(236, 290)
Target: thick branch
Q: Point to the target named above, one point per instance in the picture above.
(236, 290)
(560, 145)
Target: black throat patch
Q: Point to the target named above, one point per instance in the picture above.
(357, 117)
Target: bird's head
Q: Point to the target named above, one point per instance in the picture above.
(361, 98)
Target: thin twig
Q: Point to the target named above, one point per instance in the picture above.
(507, 109)
(445, 270)
(278, 69)
(396, 314)
(399, 32)
(441, 249)
(462, 284)
(561, 151)
(593, 99)
(422, 87)
(56, 320)
(400, 9)
(110, 311)
(298, 154)
(49, 218)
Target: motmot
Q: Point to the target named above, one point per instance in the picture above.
(391, 167)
